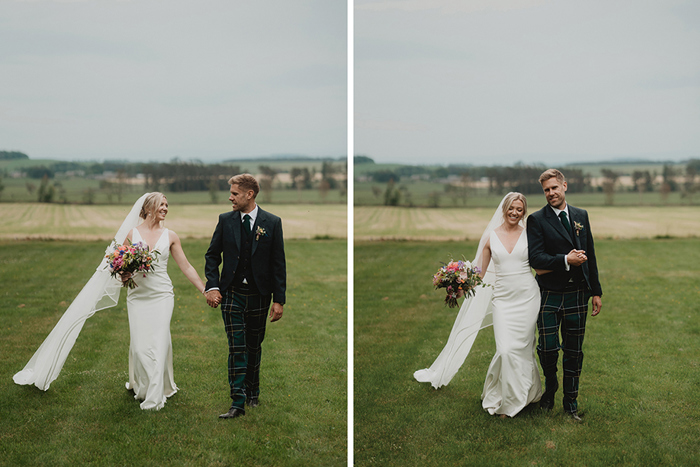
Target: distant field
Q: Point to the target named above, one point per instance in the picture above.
(418, 193)
(59, 221)
(381, 222)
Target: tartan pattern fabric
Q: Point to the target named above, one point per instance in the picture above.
(563, 312)
(245, 317)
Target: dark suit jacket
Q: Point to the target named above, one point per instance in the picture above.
(267, 257)
(549, 243)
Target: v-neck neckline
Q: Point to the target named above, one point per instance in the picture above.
(514, 245)
(151, 250)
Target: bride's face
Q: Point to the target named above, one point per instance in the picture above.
(162, 210)
(515, 212)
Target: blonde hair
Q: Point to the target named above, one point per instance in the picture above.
(510, 199)
(151, 204)
(245, 182)
(552, 173)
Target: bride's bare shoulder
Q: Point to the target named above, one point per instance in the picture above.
(172, 236)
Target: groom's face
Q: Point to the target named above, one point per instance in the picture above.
(241, 200)
(554, 191)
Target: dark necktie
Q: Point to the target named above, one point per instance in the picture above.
(246, 223)
(565, 221)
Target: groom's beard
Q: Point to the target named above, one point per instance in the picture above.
(557, 202)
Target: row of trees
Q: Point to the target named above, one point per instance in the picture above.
(177, 176)
(11, 155)
(644, 181)
(461, 183)
(304, 179)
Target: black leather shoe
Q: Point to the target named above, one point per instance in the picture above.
(574, 416)
(252, 402)
(547, 400)
(232, 413)
(547, 403)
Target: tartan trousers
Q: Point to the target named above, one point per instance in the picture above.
(245, 317)
(565, 312)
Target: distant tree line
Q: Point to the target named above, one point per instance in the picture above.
(459, 181)
(9, 155)
(522, 178)
(115, 178)
(187, 176)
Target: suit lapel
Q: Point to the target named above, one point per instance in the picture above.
(236, 226)
(573, 212)
(259, 221)
(555, 222)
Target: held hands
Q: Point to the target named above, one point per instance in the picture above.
(213, 298)
(576, 257)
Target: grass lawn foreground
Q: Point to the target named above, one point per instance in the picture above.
(638, 390)
(88, 417)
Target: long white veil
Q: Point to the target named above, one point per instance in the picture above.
(100, 292)
(474, 315)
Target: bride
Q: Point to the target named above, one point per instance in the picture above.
(149, 305)
(511, 305)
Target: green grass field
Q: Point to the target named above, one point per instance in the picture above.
(638, 390)
(88, 417)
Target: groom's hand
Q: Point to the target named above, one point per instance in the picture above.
(597, 305)
(213, 298)
(275, 312)
(576, 257)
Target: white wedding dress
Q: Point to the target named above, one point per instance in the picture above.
(513, 379)
(150, 308)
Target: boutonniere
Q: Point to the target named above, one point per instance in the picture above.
(260, 233)
(578, 227)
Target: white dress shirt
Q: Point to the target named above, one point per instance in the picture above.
(556, 212)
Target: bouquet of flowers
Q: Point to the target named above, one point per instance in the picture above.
(130, 258)
(455, 276)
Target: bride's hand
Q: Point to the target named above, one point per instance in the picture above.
(542, 272)
(460, 293)
(125, 276)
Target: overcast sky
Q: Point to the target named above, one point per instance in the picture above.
(507, 81)
(158, 79)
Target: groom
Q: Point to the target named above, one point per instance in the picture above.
(560, 240)
(253, 275)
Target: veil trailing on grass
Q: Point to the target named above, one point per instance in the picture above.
(100, 292)
(474, 315)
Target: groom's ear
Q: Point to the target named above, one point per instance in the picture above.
(564, 185)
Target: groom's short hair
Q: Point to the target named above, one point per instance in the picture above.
(245, 182)
(552, 173)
